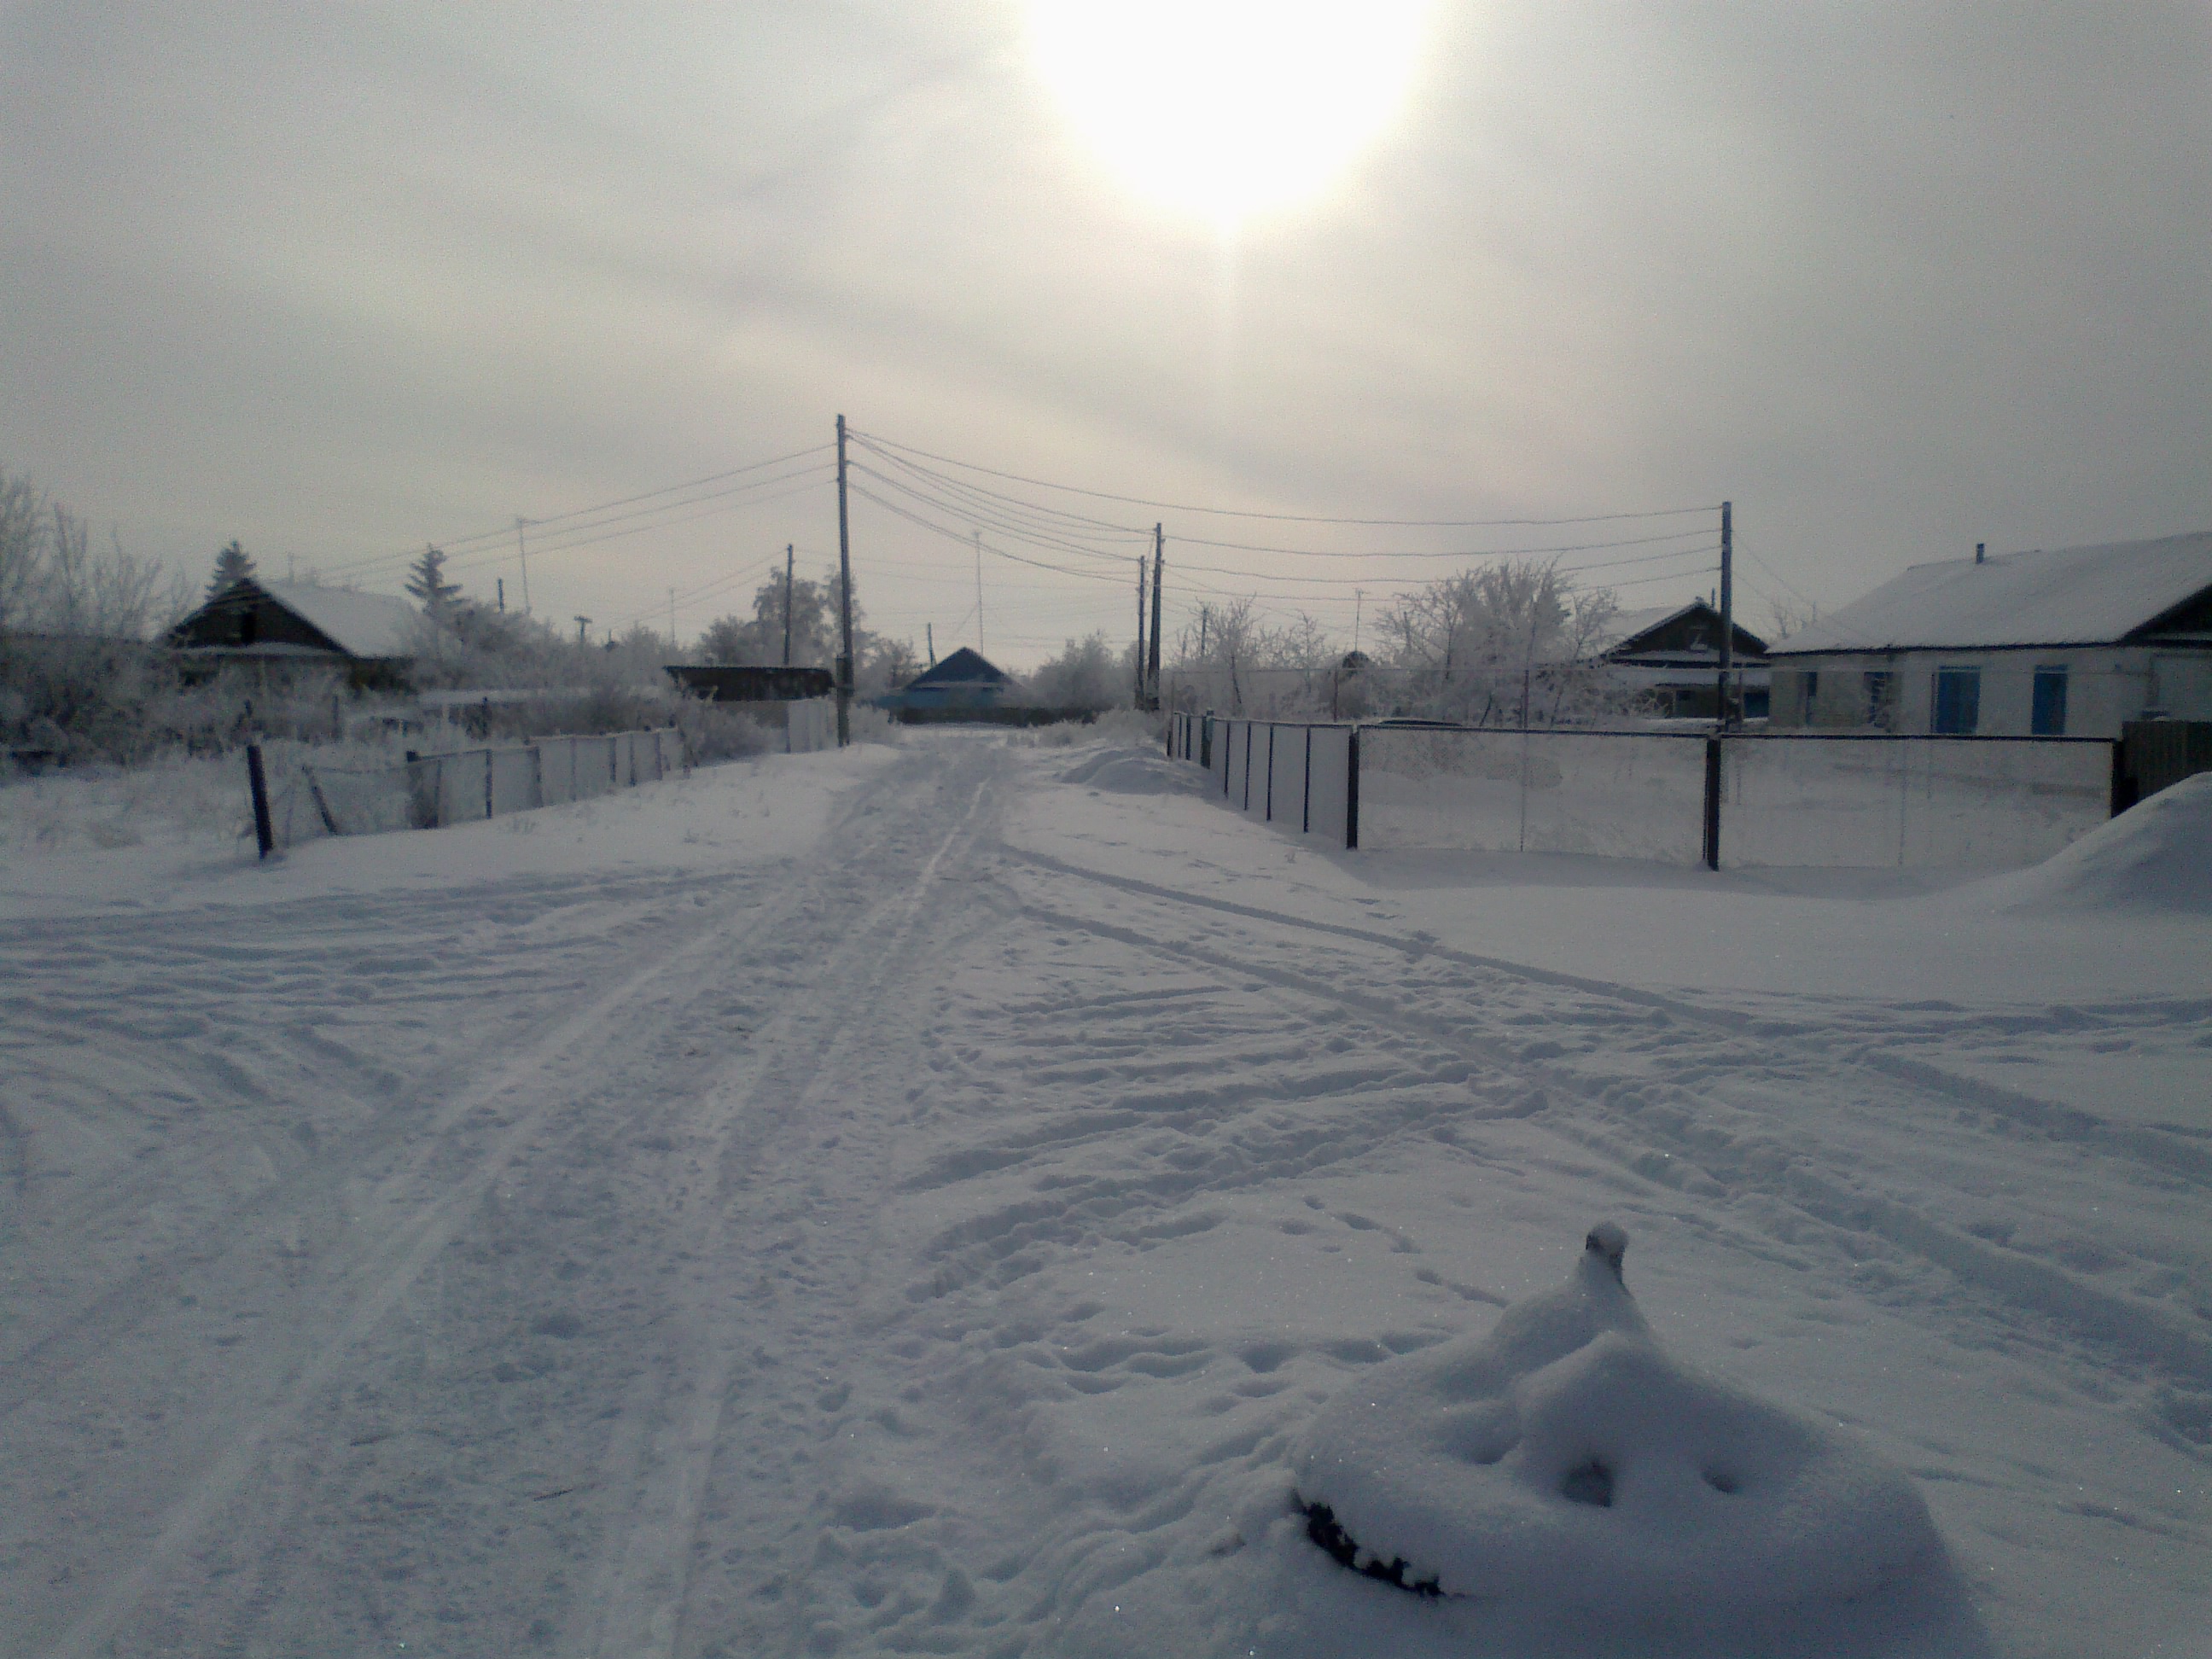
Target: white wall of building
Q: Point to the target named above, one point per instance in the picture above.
(2106, 686)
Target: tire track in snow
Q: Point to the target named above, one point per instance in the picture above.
(2148, 1333)
(636, 1606)
(2156, 1147)
(400, 1229)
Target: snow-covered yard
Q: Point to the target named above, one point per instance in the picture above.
(926, 1199)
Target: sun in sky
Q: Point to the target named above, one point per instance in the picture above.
(1228, 108)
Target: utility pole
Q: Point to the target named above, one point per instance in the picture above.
(582, 623)
(844, 601)
(929, 633)
(1139, 702)
(1358, 603)
(1152, 650)
(672, 619)
(501, 582)
(522, 553)
(978, 592)
(1725, 709)
(787, 603)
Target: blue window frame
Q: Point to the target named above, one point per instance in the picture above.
(1958, 708)
(2047, 718)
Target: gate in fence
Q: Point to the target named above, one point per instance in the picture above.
(1678, 798)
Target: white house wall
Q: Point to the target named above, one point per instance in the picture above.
(2104, 686)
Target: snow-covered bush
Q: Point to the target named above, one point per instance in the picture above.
(75, 670)
(1565, 1471)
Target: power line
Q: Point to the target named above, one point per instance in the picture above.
(1287, 518)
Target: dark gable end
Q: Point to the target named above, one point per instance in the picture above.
(244, 614)
(1695, 627)
(963, 667)
(2192, 617)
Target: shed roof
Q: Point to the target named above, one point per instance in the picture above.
(1631, 632)
(2098, 595)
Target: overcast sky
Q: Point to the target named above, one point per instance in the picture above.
(337, 280)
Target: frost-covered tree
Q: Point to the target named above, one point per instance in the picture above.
(1228, 658)
(1499, 644)
(1088, 674)
(232, 564)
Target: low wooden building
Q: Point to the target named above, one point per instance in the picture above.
(273, 626)
(964, 681)
(2075, 641)
(1667, 660)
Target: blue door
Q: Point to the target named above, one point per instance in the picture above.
(2048, 717)
(1958, 701)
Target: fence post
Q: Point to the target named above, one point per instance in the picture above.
(1271, 772)
(491, 771)
(257, 783)
(536, 775)
(1712, 847)
(1351, 791)
(1248, 767)
(1306, 804)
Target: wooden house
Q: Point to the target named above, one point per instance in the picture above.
(276, 626)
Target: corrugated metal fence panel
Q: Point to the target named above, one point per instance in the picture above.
(1957, 804)
(556, 769)
(1615, 795)
(595, 767)
(1287, 777)
(1329, 789)
(460, 786)
(513, 780)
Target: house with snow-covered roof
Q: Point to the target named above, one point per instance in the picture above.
(368, 637)
(1666, 658)
(965, 680)
(2071, 642)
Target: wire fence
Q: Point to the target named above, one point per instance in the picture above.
(1746, 800)
(308, 800)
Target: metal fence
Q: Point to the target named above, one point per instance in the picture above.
(428, 791)
(1750, 799)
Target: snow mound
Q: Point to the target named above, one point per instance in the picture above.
(1132, 772)
(1567, 1469)
(2157, 855)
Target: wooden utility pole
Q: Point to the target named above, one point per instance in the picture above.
(1152, 650)
(929, 633)
(787, 603)
(844, 601)
(979, 592)
(1139, 702)
(1725, 709)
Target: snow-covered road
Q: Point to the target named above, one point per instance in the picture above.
(912, 1206)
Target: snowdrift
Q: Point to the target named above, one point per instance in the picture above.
(1568, 1474)
(1133, 772)
(2157, 855)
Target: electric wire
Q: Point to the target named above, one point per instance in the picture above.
(1288, 517)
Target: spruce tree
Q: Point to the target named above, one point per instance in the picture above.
(231, 565)
(427, 583)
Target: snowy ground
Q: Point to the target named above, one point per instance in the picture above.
(914, 1200)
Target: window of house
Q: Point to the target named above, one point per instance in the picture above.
(2047, 717)
(1958, 708)
(1880, 695)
